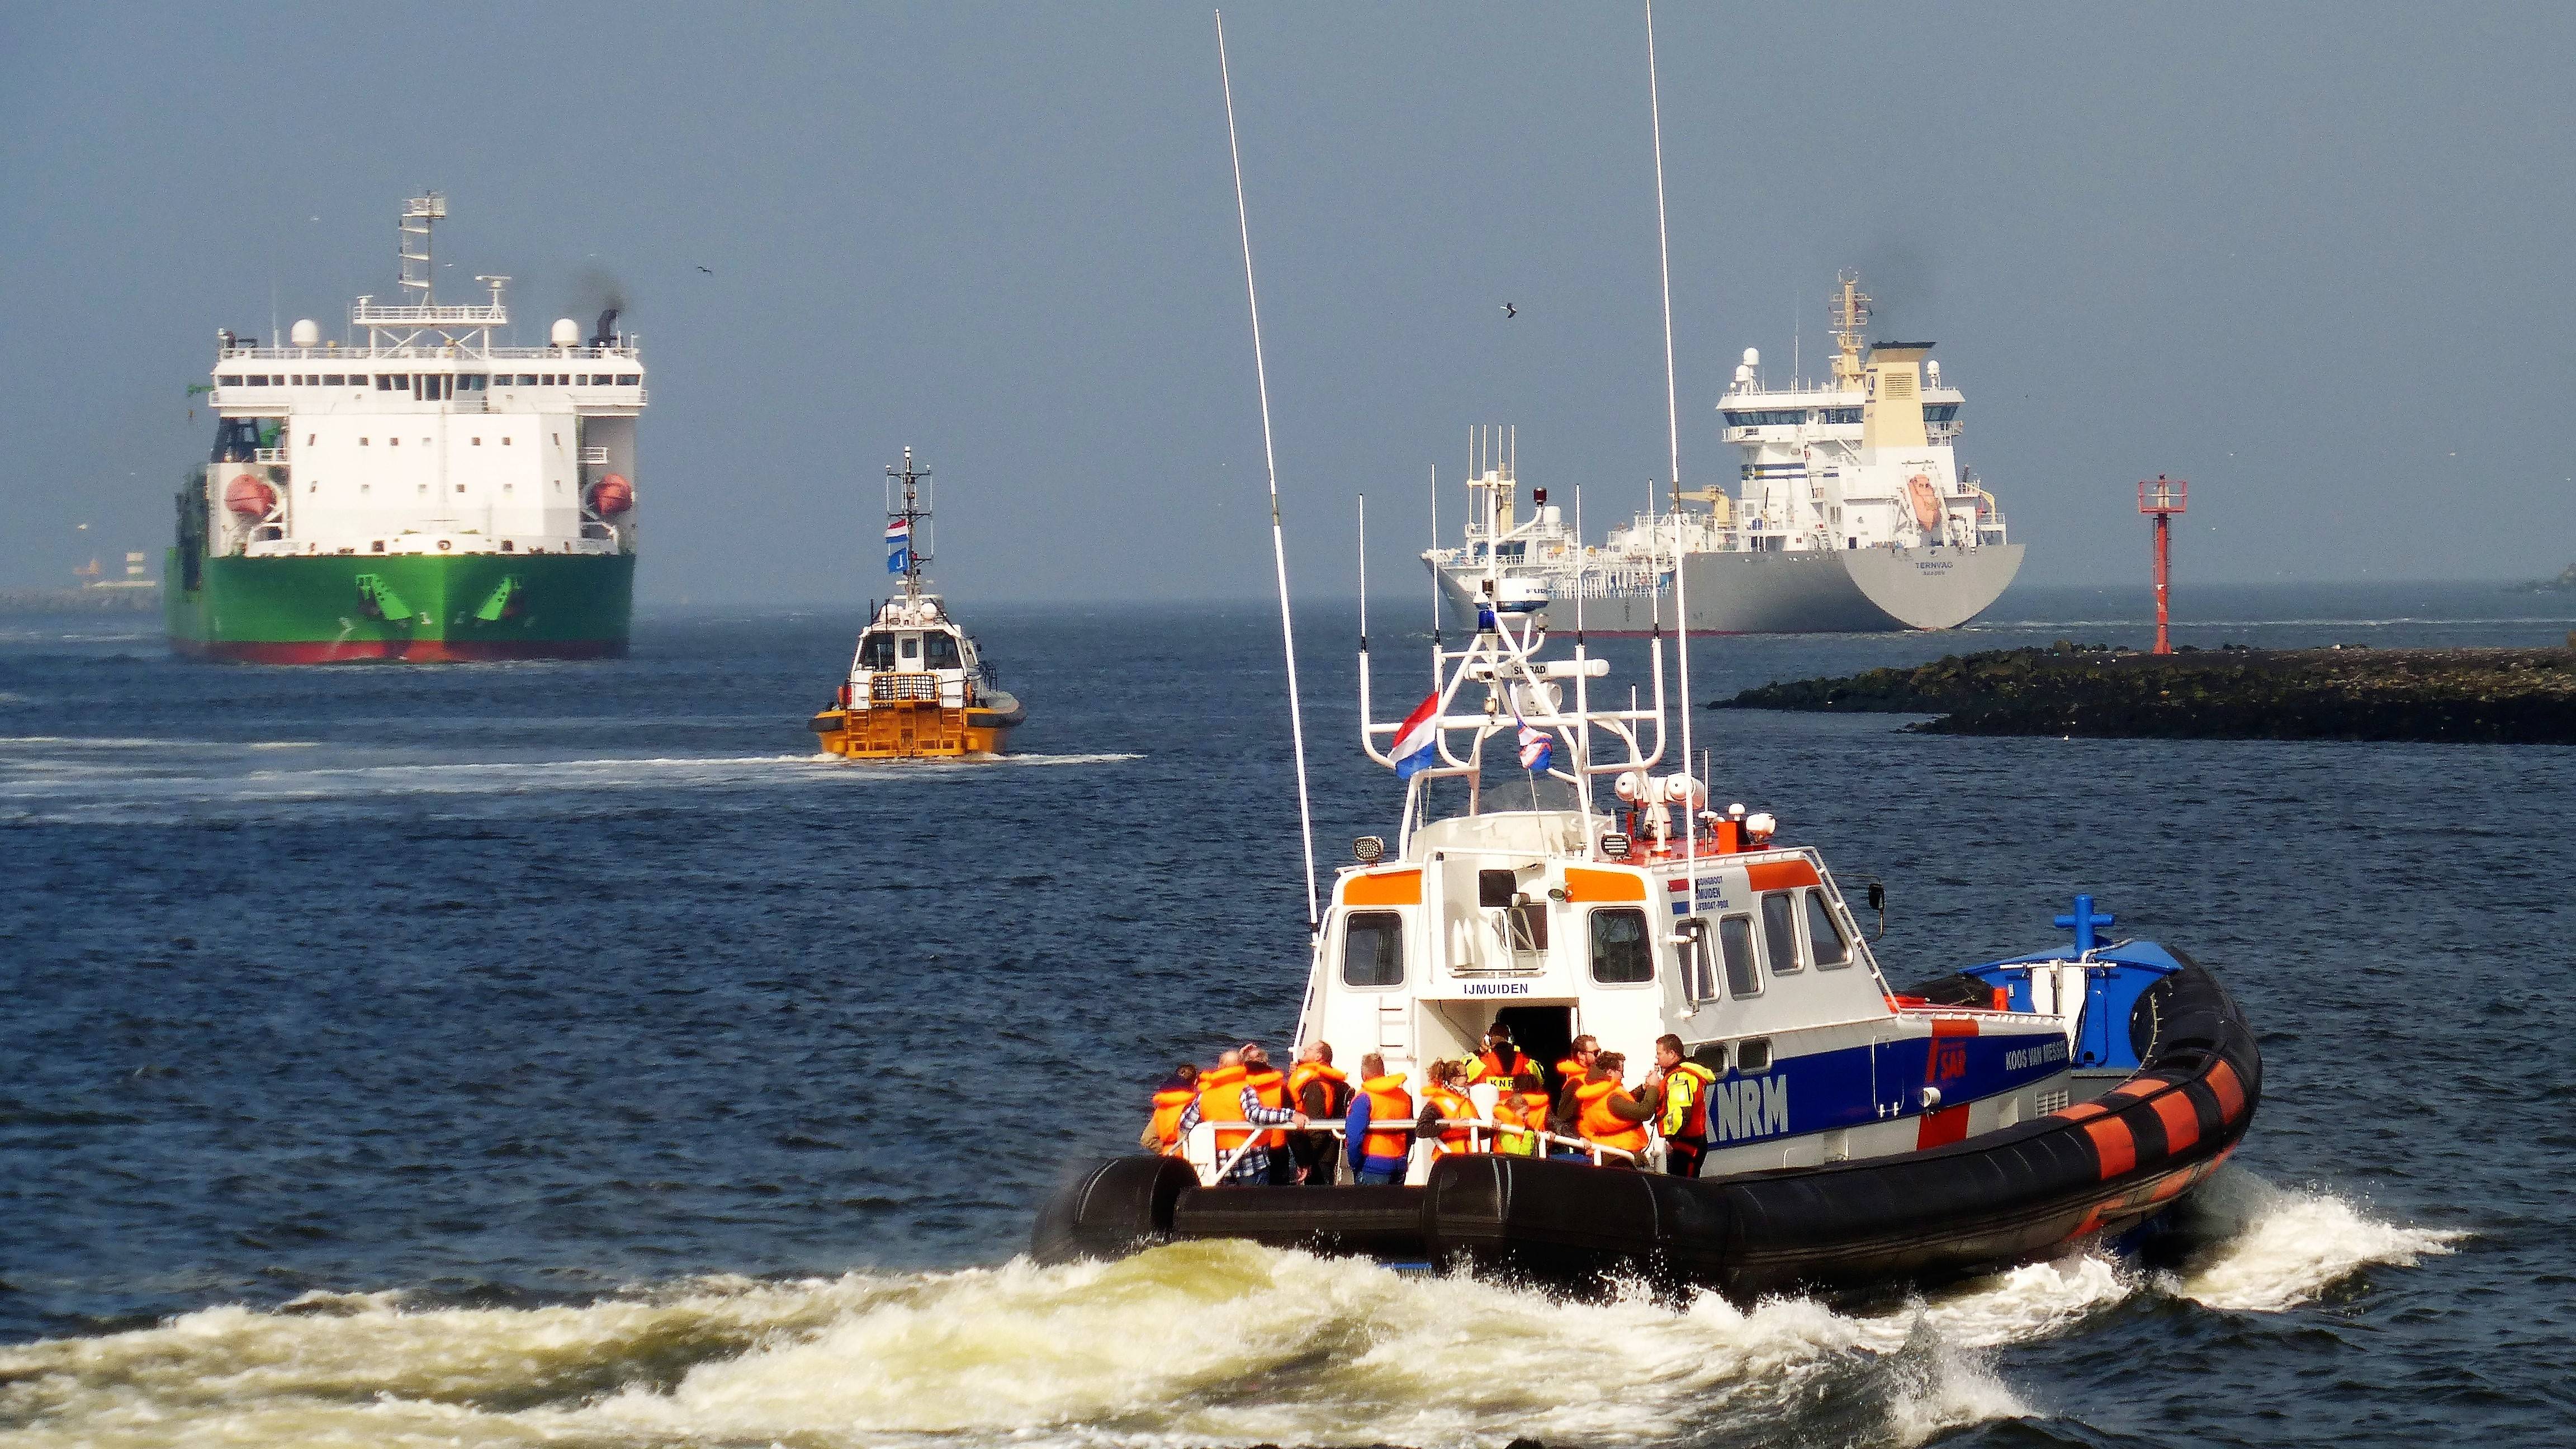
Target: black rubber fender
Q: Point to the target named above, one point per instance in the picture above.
(1117, 1206)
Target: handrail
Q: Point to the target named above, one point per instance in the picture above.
(1205, 1134)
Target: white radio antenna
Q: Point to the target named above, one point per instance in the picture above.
(1270, 460)
(1673, 442)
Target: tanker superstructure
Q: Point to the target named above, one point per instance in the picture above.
(1851, 514)
(422, 494)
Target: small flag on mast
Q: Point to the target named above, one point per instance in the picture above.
(1537, 752)
(899, 546)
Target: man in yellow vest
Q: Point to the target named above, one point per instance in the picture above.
(1682, 1115)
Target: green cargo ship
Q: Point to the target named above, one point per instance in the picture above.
(424, 495)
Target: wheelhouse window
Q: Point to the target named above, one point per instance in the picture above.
(1373, 949)
(1780, 931)
(1825, 942)
(1735, 950)
(629, 379)
(876, 652)
(939, 651)
(1622, 953)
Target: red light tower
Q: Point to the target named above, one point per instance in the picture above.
(2161, 500)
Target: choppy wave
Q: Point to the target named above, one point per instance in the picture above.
(1212, 1343)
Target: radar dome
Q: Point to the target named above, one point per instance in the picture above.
(307, 333)
(1933, 368)
(1753, 357)
(1743, 374)
(567, 333)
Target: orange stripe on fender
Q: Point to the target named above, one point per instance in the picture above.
(1603, 885)
(2181, 1119)
(2080, 1111)
(1387, 888)
(2114, 1143)
(1780, 875)
(2222, 1080)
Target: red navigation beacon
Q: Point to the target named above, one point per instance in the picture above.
(2161, 500)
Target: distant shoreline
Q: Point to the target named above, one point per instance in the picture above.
(81, 601)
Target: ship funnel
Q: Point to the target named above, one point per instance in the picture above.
(605, 333)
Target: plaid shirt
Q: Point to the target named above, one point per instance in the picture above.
(1254, 1165)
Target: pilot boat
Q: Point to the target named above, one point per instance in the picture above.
(918, 687)
(1552, 872)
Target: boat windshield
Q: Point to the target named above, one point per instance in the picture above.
(876, 651)
(939, 651)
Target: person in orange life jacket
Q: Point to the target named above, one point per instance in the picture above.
(1565, 1116)
(1379, 1128)
(1163, 1130)
(1522, 1111)
(1322, 1092)
(1226, 1095)
(1608, 1115)
(1682, 1115)
(1443, 1102)
(1500, 1062)
(1272, 1086)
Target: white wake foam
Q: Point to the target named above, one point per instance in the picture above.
(1206, 1343)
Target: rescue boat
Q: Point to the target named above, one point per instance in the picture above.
(918, 687)
(1553, 873)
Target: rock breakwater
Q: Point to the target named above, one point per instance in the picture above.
(2484, 696)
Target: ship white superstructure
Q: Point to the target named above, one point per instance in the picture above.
(1851, 512)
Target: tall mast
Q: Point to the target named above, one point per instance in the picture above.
(411, 245)
(911, 514)
(1673, 442)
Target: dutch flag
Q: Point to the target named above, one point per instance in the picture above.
(899, 546)
(1536, 752)
(1417, 740)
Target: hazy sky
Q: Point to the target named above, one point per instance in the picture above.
(2312, 258)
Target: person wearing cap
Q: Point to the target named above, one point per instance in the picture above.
(1500, 1062)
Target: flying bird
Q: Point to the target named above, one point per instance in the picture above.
(710, 271)
(1510, 311)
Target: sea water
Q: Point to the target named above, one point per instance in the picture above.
(566, 1054)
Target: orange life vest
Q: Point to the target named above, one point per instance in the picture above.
(1603, 1126)
(1453, 1106)
(1390, 1117)
(1169, 1104)
(1272, 1085)
(1337, 1096)
(1221, 1100)
(1570, 1071)
(1492, 1068)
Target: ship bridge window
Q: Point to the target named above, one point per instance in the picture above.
(257, 381)
(1735, 949)
(471, 381)
(333, 379)
(1621, 952)
(1940, 412)
(1825, 943)
(1765, 417)
(1845, 417)
(876, 652)
(939, 651)
(629, 379)
(1373, 949)
(232, 381)
(1780, 931)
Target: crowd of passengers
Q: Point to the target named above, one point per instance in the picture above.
(1568, 1111)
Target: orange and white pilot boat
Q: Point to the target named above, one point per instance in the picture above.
(918, 686)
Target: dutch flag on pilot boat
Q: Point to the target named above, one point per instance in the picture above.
(899, 546)
(1537, 753)
(1417, 740)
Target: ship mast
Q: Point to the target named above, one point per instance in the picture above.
(1851, 316)
(911, 515)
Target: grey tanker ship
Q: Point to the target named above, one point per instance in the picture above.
(1851, 515)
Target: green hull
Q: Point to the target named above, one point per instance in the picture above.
(349, 607)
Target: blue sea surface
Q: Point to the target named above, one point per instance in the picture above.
(567, 1051)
